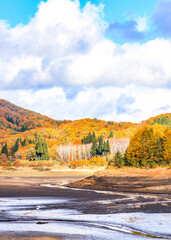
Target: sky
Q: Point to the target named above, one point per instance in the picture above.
(71, 59)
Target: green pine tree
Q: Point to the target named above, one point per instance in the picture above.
(5, 150)
(45, 150)
(94, 145)
(107, 147)
(104, 147)
(119, 159)
(100, 146)
(15, 147)
(42, 149)
(90, 138)
(39, 148)
(111, 134)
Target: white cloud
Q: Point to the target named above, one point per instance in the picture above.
(130, 103)
(63, 47)
(48, 44)
(141, 24)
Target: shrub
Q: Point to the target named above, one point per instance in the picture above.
(25, 163)
(16, 163)
(3, 158)
(95, 161)
(98, 161)
(153, 164)
(119, 160)
(5, 165)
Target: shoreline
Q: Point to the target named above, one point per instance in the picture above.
(134, 199)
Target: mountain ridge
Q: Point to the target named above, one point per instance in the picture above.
(17, 121)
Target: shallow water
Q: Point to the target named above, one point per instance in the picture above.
(63, 217)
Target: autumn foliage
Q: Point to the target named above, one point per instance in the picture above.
(30, 139)
(95, 161)
(149, 146)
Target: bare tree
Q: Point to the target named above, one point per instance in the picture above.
(73, 152)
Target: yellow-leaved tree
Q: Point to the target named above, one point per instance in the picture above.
(167, 145)
(145, 148)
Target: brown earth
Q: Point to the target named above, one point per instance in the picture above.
(131, 180)
(135, 190)
(26, 182)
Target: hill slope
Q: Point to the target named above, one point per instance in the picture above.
(18, 122)
(23, 131)
(14, 119)
(163, 119)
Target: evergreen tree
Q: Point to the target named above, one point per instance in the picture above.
(23, 142)
(94, 145)
(36, 136)
(45, 150)
(119, 159)
(88, 139)
(104, 147)
(17, 122)
(100, 146)
(15, 147)
(111, 134)
(5, 150)
(108, 147)
(39, 148)
(24, 128)
(42, 149)
(83, 140)
(94, 136)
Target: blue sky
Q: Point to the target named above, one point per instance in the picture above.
(85, 60)
(120, 14)
(17, 11)
(20, 11)
(120, 10)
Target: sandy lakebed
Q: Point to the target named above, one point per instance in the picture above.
(81, 204)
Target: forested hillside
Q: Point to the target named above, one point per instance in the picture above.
(15, 119)
(163, 119)
(33, 138)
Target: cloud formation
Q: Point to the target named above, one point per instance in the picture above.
(130, 103)
(63, 59)
(38, 54)
(65, 46)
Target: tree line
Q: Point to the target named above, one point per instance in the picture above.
(150, 146)
(40, 143)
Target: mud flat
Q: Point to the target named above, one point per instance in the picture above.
(129, 204)
(131, 180)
